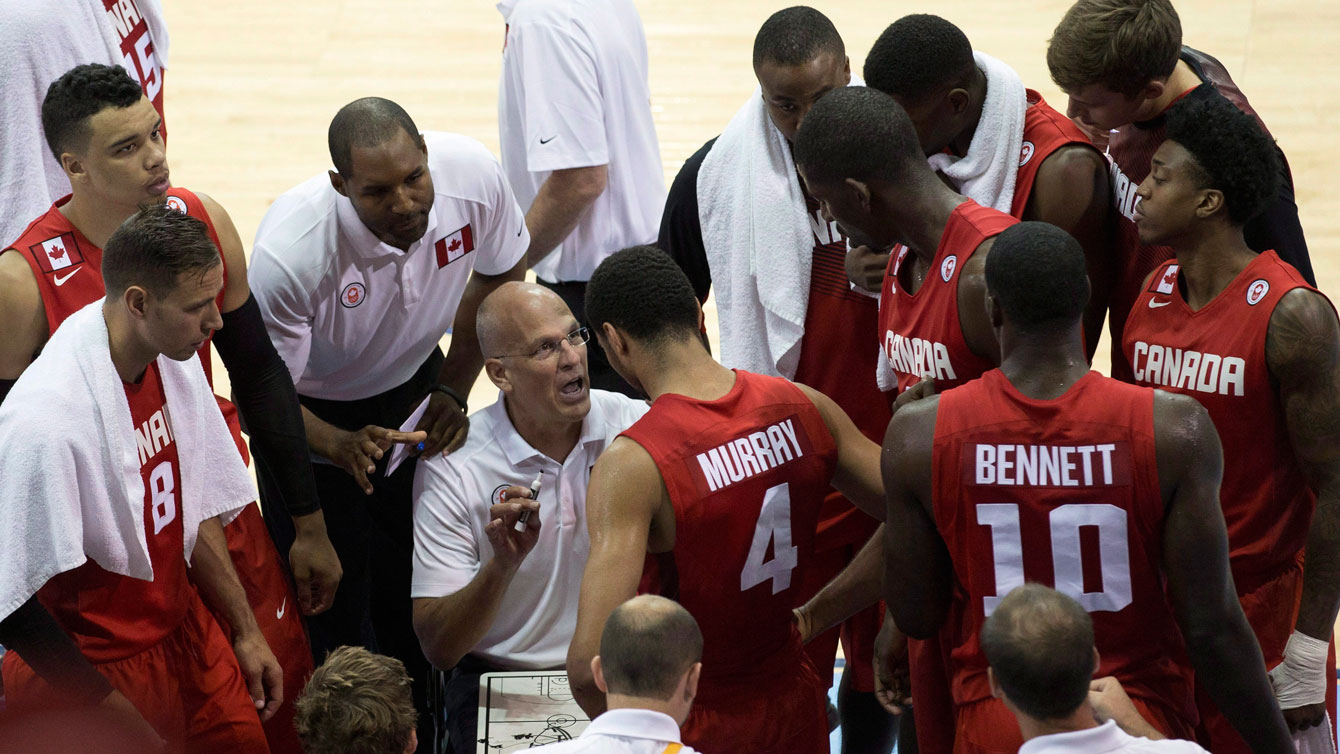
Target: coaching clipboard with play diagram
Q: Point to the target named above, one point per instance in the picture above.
(526, 709)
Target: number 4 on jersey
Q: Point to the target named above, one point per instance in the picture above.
(774, 527)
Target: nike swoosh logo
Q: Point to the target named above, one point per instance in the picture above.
(60, 279)
(523, 227)
(551, 138)
(279, 614)
(1156, 304)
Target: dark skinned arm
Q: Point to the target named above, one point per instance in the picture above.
(857, 587)
(918, 574)
(1071, 191)
(445, 418)
(1220, 643)
(625, 492)
(1303, 355)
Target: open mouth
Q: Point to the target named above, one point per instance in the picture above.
(573, 389)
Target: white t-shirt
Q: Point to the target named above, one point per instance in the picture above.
(1107, 739)
(573, 93)
(624, 731)
(452, 495)
(352, 316)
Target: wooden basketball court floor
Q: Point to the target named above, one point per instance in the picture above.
(252, 84)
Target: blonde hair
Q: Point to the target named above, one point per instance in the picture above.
(357, 702)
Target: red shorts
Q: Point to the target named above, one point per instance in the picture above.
(988, 726)
(272, 599)
(782, 712)
(1271, 607)
(857, 633)
(188, 687)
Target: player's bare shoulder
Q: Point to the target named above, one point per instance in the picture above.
(23, 315)
(1185, 440)
(237, 290)
(1303, 338)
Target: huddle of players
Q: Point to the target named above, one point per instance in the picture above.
(1123, 482)
(1175, 506)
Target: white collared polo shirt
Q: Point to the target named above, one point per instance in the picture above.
(452, 495)
(573, 93)
(626, 731)
(352, 316)
(1106, 739)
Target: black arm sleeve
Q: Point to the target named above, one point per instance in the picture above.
(34, 635)
(5, 387)
(1278, 227)
(268, 405)
(681, 233)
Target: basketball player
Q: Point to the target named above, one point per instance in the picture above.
(724, 475)
(1246, 336)
(42, 41)
(105, 132)
(1122, 64)
(1044, 471)
(823, 335)
(963, 106)
(102, 524)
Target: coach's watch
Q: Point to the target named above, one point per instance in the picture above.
(455, 396)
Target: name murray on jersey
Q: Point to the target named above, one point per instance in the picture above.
(1184, 369)
(749, 455)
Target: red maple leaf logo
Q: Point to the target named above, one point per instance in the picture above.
(56, 252)
(454, 245)
(1170, 276)
(353, 295)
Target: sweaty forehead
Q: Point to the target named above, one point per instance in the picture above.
(800, 82)
(388, 162)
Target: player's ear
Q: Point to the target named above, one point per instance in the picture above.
(1153, 89)
(136, 300)
(691, 681)
(337, 182)
(1097, 661)
(413, 744)
(846, 71)
(1211, 201)
(598, 673)
(611, 339)
(993, 684)
(72, 164)
(958, 99)
(862, 192)
(994, 312)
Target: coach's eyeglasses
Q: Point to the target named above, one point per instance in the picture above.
(577, 337)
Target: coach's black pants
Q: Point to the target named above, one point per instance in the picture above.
(374, 537)
(601, 374)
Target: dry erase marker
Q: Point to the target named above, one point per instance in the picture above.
(534, 495)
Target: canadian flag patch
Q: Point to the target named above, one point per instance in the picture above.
(454, 246)
(1168, 281)
(57, 253)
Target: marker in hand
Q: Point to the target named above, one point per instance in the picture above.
(534, 495)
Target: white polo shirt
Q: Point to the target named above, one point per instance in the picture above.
(625, 731)
(1106, 738)
(452, 495)
(352, 316)
(573, 93)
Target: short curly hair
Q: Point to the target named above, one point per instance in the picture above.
(1233, 153)
(357, 702)
(918, 56)
(795, 36)
(79, 94)
(641, 291)
(857, 132)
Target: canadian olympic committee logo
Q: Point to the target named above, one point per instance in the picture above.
(353, 295)
(1257, 291)
(947, 267)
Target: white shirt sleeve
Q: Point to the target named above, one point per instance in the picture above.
(564, 113)
(446, 552)
(285, 307)
(505, 222)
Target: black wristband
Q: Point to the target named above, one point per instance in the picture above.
(455, 396)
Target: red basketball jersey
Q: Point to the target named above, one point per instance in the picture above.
(68, 269)
(1062, 492)
(1045, 131)
(746, 475)
(1217, 355)
(921, 332)
(1130, 152)
(139, 57)
(836, 360)
(112, 617)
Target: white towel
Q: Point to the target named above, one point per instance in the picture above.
(40, 41)
(759, 244)
(988, 172)
(69, 465)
